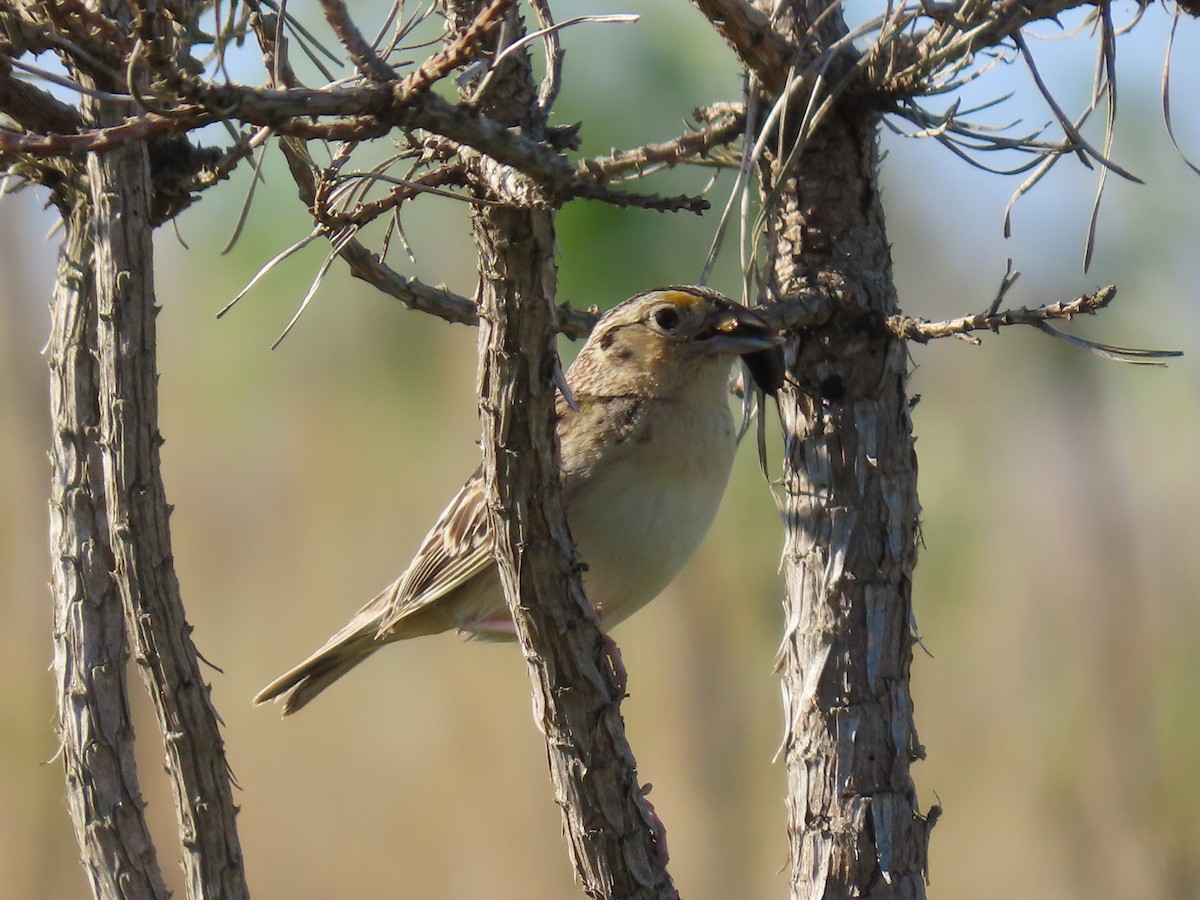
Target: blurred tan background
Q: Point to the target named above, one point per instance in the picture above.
(1056, 595)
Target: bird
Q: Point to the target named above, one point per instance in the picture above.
(647, 443)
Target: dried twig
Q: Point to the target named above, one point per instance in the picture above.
(462, 50)
(749, 32)
(1006, 283)
(361, 52)
(405, 189)
(687, 146)
(923, 331)
(552, 79)
(32, 108)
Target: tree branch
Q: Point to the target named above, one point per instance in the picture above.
(138, 518)
(362, 54)
(90, 649)
(849, 505)
(728, 127)
(957, 34)
(31, 107)
(1088, 304)
(611, 835)
(922, 331)
(761, 49)
(461, 50)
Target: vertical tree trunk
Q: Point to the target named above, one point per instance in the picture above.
(90, 650)
(138, 514)
(851, 515)
(611, 836)
(576, 706)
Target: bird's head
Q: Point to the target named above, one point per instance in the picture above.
(670, 338)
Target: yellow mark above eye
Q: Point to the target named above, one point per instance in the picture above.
(682, 298)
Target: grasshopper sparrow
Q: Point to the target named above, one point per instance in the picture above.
(647, 442)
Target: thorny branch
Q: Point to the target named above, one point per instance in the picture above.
(923, 331)
(906, 63)
(462, 50)
(691, 145)
(923, 51)
(367, 265)
(752, 36)
(1039, 317)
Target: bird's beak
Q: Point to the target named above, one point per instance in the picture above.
(736, 330)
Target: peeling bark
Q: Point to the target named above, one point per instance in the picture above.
(851, 515)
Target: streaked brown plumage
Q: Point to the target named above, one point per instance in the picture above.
(647, 448)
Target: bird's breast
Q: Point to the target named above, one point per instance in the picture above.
(639, 514)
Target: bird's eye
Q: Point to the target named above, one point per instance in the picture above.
(666, 318)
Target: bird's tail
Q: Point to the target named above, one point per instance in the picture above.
(342, 653)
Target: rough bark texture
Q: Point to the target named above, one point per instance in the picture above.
(611, 836)
(610, 833)
(138, 515)
(90, 650)
(852, 515)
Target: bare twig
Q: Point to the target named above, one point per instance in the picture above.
(749, 32)
(955, 38)
(688, 145)
(462, 50)
(1006, 283)
(405, 189)
(361, 52)
(360, 118)
(555, 27)
(923, 331)
(364, 264)
(552, 79)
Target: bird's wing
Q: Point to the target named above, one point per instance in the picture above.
(458, 547)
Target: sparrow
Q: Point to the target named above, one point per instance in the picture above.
(647, 442)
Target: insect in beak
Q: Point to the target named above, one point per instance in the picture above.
(766, 368)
